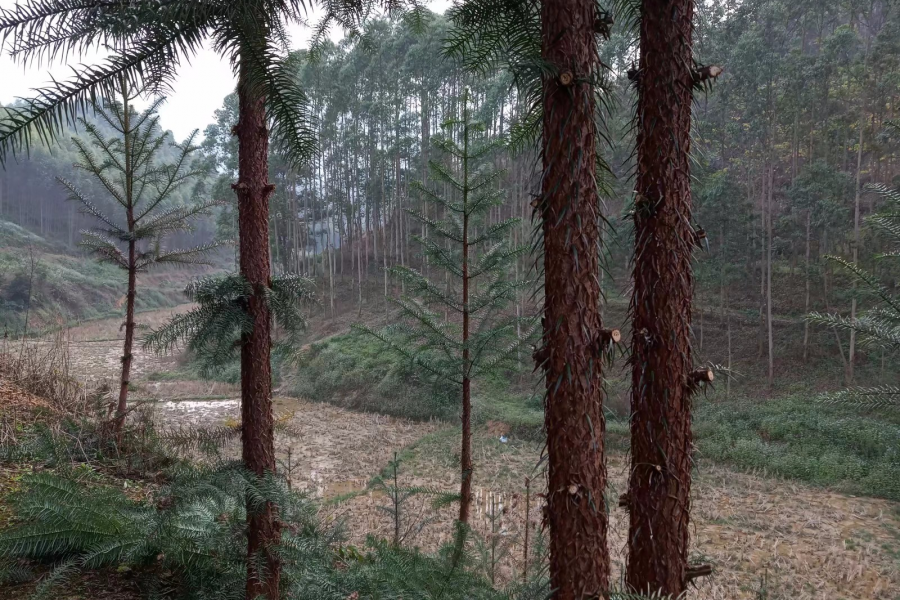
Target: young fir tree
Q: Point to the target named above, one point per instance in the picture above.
(141, 186)
(454, 328)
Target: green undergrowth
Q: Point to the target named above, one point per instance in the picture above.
(60, 286)
(74, 512)
(794, 436)
(798, 437)
(355, 371)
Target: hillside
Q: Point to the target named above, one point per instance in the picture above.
(50, 285)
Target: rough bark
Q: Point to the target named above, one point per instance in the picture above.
(257, 430)
(661, 361)
(568, 208)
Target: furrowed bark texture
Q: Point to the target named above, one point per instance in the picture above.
(569, 209)
(257, 423)
(659, 486)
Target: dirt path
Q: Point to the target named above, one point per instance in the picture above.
(763, 536)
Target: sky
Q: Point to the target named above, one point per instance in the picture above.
(198, 89)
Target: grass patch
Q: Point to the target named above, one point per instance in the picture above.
(799, 438)
(64, 285)
(355, 371)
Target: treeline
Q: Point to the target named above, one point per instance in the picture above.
(377, 102)
(32, 197)
(786, 146)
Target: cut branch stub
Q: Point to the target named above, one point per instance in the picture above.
(625, 501)
(607, 338)
(703, 376)
(603, 23)
(706, 73)
(540, 356)
(611, 335)
(566, 78)
(696, 571)
(633, 73)
(699, 237)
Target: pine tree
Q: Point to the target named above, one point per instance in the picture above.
(573, 337)
(129, 170)
(457, 332)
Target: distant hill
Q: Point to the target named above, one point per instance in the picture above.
(51, 285)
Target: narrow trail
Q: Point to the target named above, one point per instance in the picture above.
(795, 541)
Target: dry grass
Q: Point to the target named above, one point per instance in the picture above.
(36, 381)
(796, 541)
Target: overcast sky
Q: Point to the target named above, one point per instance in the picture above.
(198, 90)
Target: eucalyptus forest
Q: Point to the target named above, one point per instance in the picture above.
(484, 299)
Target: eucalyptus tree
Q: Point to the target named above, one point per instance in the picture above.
(878, 327)
(130, 171)
(148, 40)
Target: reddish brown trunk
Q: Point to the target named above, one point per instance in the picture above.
(122, 408)
(659, 486)
(257, 430)
(569, 207)
(465, 490)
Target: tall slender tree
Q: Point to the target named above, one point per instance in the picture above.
(130, 172)
(475, 337)
(662, 378)
(551, 51)
(571, 352)
(151, 39)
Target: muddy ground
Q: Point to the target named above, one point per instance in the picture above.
(765, 538)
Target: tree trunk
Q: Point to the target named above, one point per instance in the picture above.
(851, 353)
(808, 275)
(660, 480)
(769, 241)
(257, 424)
(127, 357)
(465, 488)
(121, 408)
(762, 260)
(569, 206)
(727, 319)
